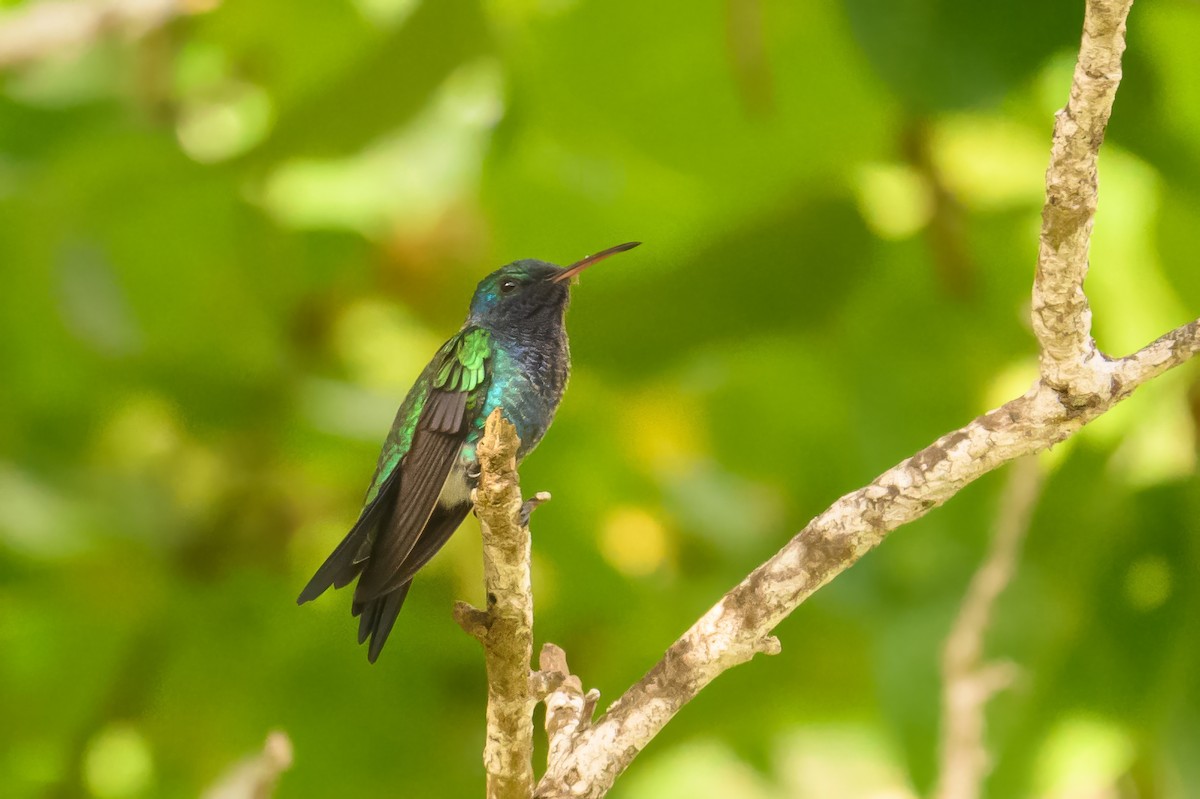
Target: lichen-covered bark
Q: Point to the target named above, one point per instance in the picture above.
(506, 627)
(1062, 318)
(738, 626)
(1078, 383)
(567, 707)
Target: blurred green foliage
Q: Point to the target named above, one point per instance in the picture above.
(228, 246)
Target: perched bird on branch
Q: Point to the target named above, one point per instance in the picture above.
(511, 354)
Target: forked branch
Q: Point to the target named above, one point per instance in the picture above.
(1078, 383)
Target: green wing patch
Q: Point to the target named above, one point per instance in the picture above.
(464, 360)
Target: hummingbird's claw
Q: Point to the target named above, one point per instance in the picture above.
(530, 504)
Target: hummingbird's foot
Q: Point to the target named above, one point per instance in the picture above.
(530, 504)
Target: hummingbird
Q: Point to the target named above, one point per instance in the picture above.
(511, 353)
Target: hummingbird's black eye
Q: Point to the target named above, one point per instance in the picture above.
(508, 287)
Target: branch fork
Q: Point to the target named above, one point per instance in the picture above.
(1078, 383)
(505, 628)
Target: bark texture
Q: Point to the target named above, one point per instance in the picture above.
(1078, 383)
(1062, 318)
(505, 628)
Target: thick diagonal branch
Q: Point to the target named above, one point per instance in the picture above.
(739, 625)
(506, 627)
(1077, 385)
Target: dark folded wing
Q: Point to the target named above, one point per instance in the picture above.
(435, 447)
(402, 524)
(439, 528)
(460, 380)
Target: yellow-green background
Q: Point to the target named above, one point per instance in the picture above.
(226, 249)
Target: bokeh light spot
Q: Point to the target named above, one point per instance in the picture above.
(989, 163)
(1083, 756)
(634, 541)
(118, 763)
(228, 124)
(894, 199)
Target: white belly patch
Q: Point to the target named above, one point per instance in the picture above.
(455, 491)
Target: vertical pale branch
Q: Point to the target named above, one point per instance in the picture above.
(256, 777)
(1062, 318)
(967, 681)
(506, 627)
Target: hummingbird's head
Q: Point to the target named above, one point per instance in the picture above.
(529, 294)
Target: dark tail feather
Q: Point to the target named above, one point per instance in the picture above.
(344, 564)
(378, 614)
(367, 616)
(410, 510)
(378, 617)
(338, 569)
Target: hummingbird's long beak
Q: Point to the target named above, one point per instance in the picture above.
(577, 267)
